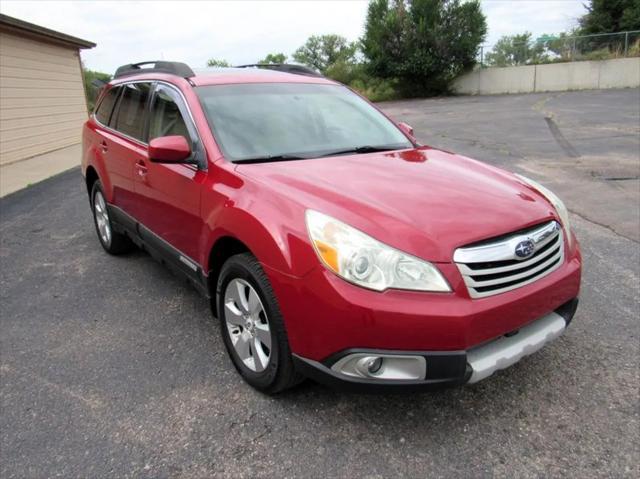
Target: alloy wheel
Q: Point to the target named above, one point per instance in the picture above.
(248, 325)
(102, 217)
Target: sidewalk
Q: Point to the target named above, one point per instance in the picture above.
(21, 174)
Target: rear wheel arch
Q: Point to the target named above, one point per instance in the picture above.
(91, 176)
(96, 171)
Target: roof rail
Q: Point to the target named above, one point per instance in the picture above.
(285, 68)
(158, 66)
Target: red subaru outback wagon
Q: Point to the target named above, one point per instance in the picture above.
(331, 244)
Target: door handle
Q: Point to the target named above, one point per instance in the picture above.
(103, 146)
(141, 168)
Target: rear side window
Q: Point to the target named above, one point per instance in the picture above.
(103, 113)
(166, 118)
(131, 109)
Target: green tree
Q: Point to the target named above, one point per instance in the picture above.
(92, 80)
(514, 50)
(322, 51)
(561, 47)
(611, 16)
(214, 62)
(346, 71)
(425, 44)
(274, 58)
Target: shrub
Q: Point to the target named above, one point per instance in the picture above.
(346, 72)
(355, 75)
(634, 49)
(377, 89)
(425, 44)
(218, 63)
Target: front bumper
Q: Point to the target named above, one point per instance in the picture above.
(325, 315)
(450, 368)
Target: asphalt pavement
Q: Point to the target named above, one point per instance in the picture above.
(112, 367)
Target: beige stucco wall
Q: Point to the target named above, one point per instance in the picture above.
(42, 103)
(617, 73)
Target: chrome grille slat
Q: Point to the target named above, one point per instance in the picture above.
(474, 262)
(519, 285)
(508, 279)
(522, 264)
(504, 250)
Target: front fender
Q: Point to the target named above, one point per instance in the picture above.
(272, 227)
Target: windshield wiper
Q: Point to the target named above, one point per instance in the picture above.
(363, 149)
(271, 158)
(289, 157)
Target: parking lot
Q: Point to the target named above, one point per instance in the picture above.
(112, 367)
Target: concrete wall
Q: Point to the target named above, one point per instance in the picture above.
(618, 73)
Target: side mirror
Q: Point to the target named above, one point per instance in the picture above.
(169, 149)
(406, 129)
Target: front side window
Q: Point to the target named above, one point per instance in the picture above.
(130, 114)
(261, 120)
(166, 119)
(103, 113)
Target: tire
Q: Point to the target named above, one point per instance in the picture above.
(113, 242)
(252, 327)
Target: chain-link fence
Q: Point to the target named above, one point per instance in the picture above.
(561, 48)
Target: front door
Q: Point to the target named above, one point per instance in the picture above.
(168, 195)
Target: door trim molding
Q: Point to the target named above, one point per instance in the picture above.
(160, 249)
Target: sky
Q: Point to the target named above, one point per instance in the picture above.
(243, 31)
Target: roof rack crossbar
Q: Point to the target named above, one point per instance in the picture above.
(157, 66)
(284, 67)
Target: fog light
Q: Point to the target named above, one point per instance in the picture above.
(368, 365)
(382, 367)
(374, 365)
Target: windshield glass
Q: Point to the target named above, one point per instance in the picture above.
(290, 120)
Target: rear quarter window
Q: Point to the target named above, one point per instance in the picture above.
(131, 110)
(103, 112)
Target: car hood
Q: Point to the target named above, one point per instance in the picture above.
(424, 201)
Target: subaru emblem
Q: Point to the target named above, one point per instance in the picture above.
(525, 248)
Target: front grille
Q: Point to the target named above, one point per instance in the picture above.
(493, 266)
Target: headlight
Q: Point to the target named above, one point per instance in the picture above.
(362, 260)
(557, 203)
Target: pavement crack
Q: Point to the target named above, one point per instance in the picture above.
(621, 178)
(549, 117)
(605, 226)
(566, 146)
(539, 105)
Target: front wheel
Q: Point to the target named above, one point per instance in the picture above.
(252, 327)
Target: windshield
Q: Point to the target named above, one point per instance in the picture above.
(295, 120)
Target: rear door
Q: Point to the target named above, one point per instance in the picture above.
(120, 181)
(168, 195)
(124, 141)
